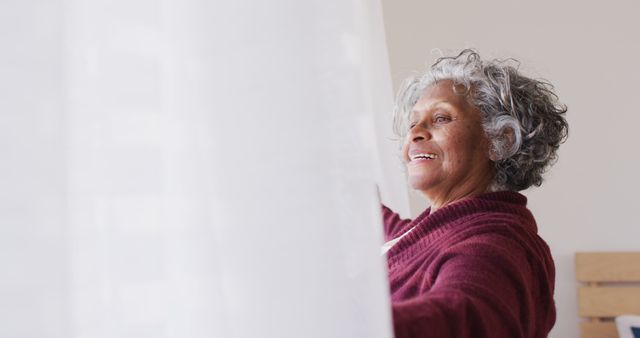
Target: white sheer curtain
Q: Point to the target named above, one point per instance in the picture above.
(193, 169)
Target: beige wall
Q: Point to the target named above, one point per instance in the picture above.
(590, 52)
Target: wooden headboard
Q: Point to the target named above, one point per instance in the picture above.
(607, 290)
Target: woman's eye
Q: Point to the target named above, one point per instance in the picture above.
(441, 119)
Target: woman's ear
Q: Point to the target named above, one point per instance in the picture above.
(509, 141)
(492, 154)
(506, 143)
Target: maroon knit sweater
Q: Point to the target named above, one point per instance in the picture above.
(474, 268)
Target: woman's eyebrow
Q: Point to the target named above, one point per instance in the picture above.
(432, 106)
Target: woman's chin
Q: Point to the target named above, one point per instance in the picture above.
(420, 184)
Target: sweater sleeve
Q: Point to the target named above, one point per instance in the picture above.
(486, 286)
(392, 223)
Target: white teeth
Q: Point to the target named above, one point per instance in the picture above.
(427, 156)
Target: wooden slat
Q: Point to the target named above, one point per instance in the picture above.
(598, 330)
(608, 266)
(608, 301)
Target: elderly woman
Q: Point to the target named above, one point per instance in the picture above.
(472, 264)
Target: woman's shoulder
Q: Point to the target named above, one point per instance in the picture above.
(499, 209)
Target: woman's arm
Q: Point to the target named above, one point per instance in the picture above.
(392, 222)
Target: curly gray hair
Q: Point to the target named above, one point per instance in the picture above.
(522, 118)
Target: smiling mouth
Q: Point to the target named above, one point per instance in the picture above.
(423, 157)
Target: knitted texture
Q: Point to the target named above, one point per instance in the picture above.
(474, 268)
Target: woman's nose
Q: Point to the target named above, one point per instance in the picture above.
(419, 133)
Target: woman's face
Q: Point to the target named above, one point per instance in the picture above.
(446, 150)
